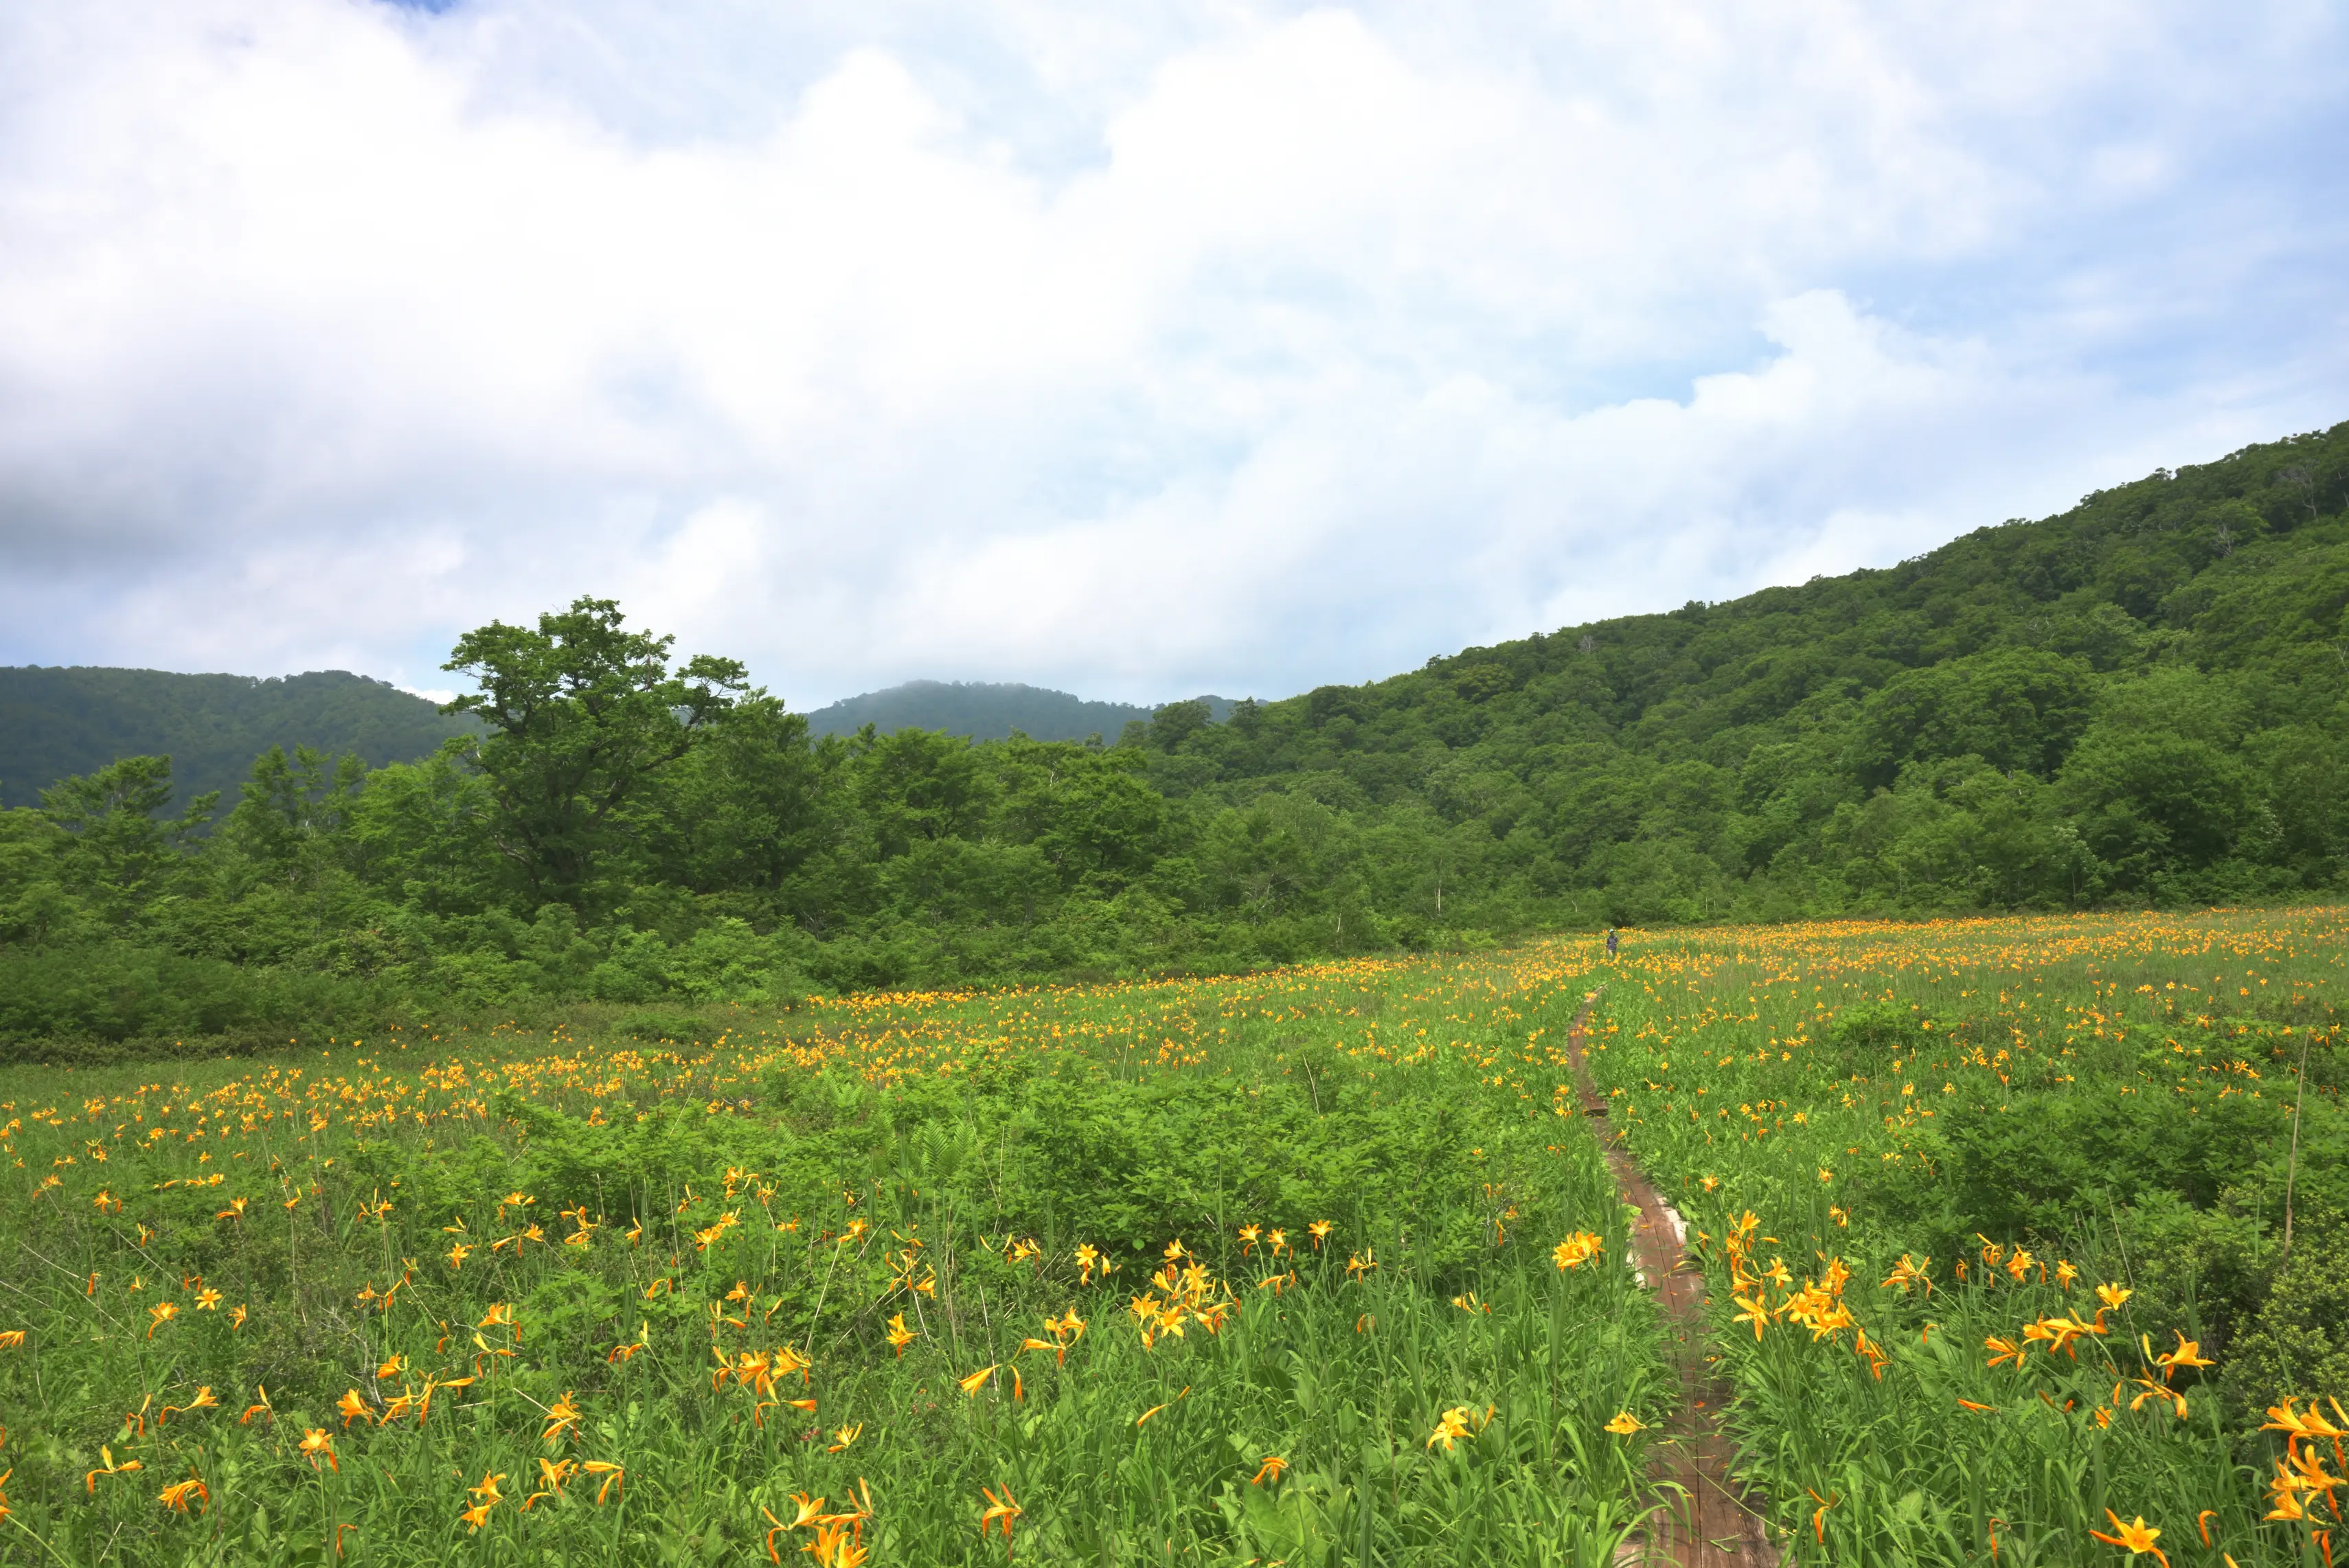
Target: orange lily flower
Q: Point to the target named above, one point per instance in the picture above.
(2188, 1353)
(1270, 1470)
(2135, 1537)
(315, 1441)
(1625, 1424)
(205, 1400)
(2111, 1296)
(833, 1547)
(561, 1417)
(1576, 1249)
(999, 1511)
(2296, 1425)
(353, 1406)
(551, 1476)
(1909, 1272)
(109, 1467)
(176, 1495)
(978, 1380)
(488, 1496)
(808, 1511)
(613, 1475)
(2312, 1477)
(1452, 1426)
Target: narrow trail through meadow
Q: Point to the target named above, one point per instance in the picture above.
(1714, 1527)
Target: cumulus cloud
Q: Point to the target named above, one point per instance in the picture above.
(1138, 352)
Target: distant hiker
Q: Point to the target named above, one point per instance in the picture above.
(1610, 942)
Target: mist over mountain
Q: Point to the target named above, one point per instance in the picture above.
(987, 711)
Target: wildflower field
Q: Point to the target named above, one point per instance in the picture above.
(1994, 1215)
(1314, 1266)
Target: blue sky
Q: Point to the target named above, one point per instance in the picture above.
(1138, 350)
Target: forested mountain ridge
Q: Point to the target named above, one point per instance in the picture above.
(59, 721)
(2144, 700)
(1908, 737)
(980, 710)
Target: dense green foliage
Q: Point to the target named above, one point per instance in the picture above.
(2145, 700)
(56, 723)
(2142, 699)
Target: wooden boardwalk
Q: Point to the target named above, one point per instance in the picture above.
(1706, 1524)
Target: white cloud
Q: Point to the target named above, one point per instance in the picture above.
(1137, 352)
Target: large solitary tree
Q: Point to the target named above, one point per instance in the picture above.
(583, 713)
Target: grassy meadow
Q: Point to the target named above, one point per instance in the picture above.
(1315, 1266)
(1994, 1216)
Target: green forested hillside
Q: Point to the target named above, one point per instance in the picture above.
(2138, 701)
(982, 711)
(56, 723)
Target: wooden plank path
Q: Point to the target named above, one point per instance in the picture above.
(1707, 1523)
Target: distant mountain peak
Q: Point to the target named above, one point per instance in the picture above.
(987, 710)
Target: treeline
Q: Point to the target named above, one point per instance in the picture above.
(2140, 701)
